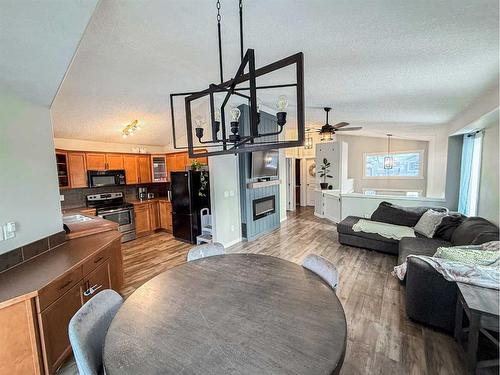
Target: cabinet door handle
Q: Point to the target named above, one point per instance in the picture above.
(92, 290)
(65, 284)
(98, 260)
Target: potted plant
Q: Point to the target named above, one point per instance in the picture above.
(323, 173)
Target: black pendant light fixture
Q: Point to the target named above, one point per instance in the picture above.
(252, 139)
(388, 160)
(327, 131)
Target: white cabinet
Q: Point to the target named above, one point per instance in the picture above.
(328, 205)
(331, 207)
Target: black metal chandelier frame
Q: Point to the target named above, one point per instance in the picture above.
(235, 143)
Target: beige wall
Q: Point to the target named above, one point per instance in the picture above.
(358, 145)
(488, 206)
(83, 145)
(29, 193)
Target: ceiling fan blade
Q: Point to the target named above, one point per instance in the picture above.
(340, 125)
(349, 129)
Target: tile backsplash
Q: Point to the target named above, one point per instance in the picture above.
(75, 198)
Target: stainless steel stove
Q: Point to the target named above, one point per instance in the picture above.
(112, 206)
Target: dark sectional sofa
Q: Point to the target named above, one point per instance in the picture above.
(430, 299)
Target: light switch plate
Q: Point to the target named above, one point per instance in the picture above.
(9, 230)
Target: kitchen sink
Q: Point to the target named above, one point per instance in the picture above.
(77, 218)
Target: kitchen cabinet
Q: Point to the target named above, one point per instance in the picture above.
(62, 169)
(144, 168)
(142, 219)
(114, 161)
(165, 209)
(130, 166)
(96, 161)
(159, 168)
(154, 214)
(77, 169)
(97, 280)
(54, 328)
(177, 162)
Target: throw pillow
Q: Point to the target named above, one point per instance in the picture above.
(429, 222)
(469, 255)
(448, 225)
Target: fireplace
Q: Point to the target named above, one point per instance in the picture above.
(263, 207)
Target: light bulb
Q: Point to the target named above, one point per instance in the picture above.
(199, 122)
(259, 105)
(139, 127)
(235, 114)
(131, 133)
(282, 103)
(124, 135)
(217, 115)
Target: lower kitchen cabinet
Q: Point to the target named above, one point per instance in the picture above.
(54, 322)
(34, 327)
(142, 219)
(152, 215)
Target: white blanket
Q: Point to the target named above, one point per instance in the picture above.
(484, 276)
(385, 230)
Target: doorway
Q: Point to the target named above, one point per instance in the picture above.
(297, 182)
(311, 184)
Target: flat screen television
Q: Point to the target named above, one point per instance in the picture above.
(265, 163)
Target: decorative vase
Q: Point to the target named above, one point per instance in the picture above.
(323, 185)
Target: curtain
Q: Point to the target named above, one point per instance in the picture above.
(470, 174)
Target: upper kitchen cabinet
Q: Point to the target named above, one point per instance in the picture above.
(77, 169)
(130, 166)
(114, 161)
(159, 168)
(62, 169)
(144, 168)
(96, 161)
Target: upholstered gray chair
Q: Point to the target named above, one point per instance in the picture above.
(88, 328)
(205, 250)
(323, 268)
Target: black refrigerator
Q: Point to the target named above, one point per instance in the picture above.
(190, 193)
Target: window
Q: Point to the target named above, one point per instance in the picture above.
(407, 165)
(470, 173)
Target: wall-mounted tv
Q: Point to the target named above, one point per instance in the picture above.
(265, 163)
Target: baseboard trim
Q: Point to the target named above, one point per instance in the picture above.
(318, 215)
(238, 240)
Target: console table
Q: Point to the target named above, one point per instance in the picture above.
(481, 306)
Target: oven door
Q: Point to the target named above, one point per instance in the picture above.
(124, 218)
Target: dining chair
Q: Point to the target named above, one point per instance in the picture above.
(323, 268)
(205, 250)
(88, 328)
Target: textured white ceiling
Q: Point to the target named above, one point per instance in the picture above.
(400, 63)
(37, 41)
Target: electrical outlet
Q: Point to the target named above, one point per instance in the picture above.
(9, 230)
(61, 197)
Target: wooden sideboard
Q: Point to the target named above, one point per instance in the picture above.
(39, 297)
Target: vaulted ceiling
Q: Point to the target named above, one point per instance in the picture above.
(37, 42)
(395, 63)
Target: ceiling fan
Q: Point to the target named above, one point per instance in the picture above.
(327, 131)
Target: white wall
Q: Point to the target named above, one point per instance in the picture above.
(282, 177)
(29, 193)
(226, 215)
(488, 206)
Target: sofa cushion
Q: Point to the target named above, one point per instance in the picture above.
(393, 214)
(448, 225)
(345, 227)
(474, 231)
(429, 222)
(419, 246)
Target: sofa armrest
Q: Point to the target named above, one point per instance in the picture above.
(430, 298)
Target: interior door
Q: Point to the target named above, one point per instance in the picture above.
(310, 181)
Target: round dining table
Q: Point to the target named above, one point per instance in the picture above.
(229, 314)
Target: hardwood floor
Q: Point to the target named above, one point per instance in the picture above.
(381, 339)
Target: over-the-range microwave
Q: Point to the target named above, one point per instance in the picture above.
(106, 178)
